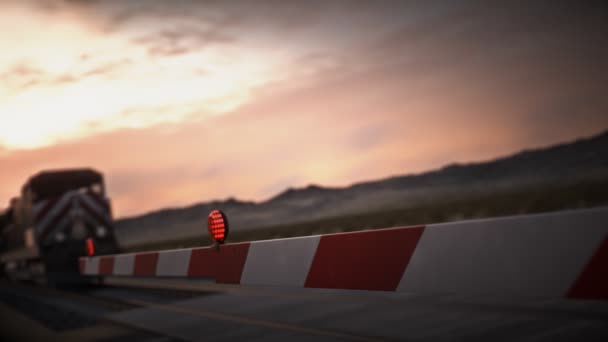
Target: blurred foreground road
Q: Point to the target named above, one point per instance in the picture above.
(279, 314)
(211, 312)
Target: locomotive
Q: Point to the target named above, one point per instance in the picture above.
(60, 216)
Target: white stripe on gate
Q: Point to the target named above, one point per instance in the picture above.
(91, 266)
(123, 264)
(532, 255)
(283, 262)
(173, 263)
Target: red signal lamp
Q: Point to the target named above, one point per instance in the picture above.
(217, 224)
(90, 246)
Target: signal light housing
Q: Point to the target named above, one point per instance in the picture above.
(90, 245)
(217, 224)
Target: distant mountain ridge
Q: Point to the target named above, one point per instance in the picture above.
(586, 157)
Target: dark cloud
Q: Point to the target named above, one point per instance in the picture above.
(113, 16)
(420, 29)
(163, 28)
(477, 29)
(181, 40)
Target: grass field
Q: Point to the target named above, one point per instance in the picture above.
(532, 199)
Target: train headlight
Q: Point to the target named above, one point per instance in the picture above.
(101, 231)
(59, 237)
(217, 224)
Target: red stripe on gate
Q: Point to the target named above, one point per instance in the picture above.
(145, 264)
(592, 283)
(369, 260)
(225, 265)
(106, 265)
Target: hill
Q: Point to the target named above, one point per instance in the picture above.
(564, 164)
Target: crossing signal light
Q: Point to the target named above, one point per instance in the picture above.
(217, 224)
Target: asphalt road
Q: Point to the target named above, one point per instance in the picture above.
(34, 313)
(235, 313)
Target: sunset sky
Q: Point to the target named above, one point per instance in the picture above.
(178, 102)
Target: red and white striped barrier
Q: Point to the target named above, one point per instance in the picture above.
(562, 254)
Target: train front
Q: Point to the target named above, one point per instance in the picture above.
(68, 208)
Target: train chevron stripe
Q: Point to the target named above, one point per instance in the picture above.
(52, 215)
(56, 207)
(55, 224)
(94, 215)
(100, 202)
(40, 210)
(62, 224)
(563, 254)
(91, 204)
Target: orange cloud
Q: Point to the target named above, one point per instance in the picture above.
(334, 132)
